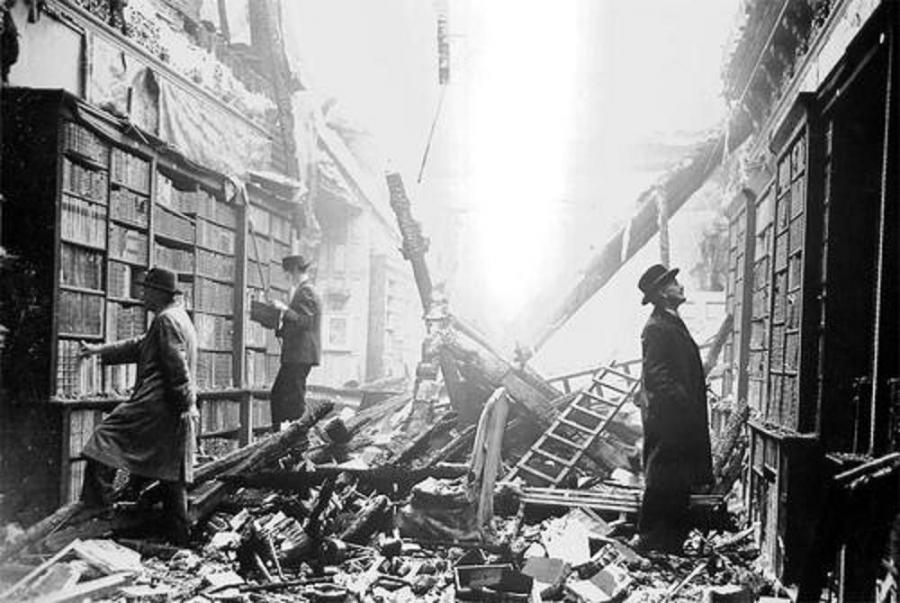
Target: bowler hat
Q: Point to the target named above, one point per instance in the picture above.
(653, 279)
(161, 279)
(290, 262)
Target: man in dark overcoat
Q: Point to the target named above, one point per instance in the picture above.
(152, 434)
(677, 456)
(300, 330)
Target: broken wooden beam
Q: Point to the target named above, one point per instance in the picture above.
(294, 481)
(261, 454)
(367, 521)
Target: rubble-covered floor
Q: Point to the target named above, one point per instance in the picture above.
(384, 515)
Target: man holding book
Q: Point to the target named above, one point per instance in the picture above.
(300, 330)
(152, 434)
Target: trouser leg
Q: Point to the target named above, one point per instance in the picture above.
(175, 507)
(288, 399)
(97, 488)
(664, 519)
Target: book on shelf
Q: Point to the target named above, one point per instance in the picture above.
(256, 367)
(80, 267)
(125, 321)
(215, 265)
(130, 170)
(80, 313)
(129, 206)
(177, 260)
(84, 182)
(214, 370)
(82, 222)
(215, 237)
(124, 280)
(208, 206)
(165, 192)
(127, 244)
(120, 378)
(212, 296)
(84, 142)
(173, 225)
(76, 377)
(214, 331)
(187, 294)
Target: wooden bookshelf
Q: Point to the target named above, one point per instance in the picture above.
(111, 207)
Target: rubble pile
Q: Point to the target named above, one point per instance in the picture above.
(363, 510)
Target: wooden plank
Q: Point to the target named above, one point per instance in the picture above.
(38, 570)
(91, 589)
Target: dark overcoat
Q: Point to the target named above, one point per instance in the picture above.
(145, 435)
(676, 425)
(301, 329)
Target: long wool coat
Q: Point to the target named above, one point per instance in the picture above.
(676, 424)
(145, 435)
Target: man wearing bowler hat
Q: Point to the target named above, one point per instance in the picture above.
(300, 330)
(677, 455)
(152, 434)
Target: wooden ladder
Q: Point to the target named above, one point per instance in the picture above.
(552, 457)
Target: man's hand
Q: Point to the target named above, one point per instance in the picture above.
(280, 305)
(86, 349)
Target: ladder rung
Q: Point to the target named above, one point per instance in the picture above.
(588, 412)
(540, 474)
(554, 458)
(618, 373)
(578, 426)
(600, 398)
(613, 387)
(562, 440)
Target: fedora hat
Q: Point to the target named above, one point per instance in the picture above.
(289, 262)
(653, 280)
(161, 280)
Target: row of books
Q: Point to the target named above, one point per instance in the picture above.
(214, 370)
(80, 313)
(173, 225)
(83, 222)
(84, 142)
(80, 267)
(127, 244)
(215, 237)
(76, 376)
(125, 321)
(208, 206)
(130, 170)
(130, 207)
(84, 182)
(177, 260)
(211, 296)
(123, 280)
(257, 369)
(120, 378)
(215, 265)
(214, 332)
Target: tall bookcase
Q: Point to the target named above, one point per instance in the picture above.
(93, 207)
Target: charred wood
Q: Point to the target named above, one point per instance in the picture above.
(367, 521)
